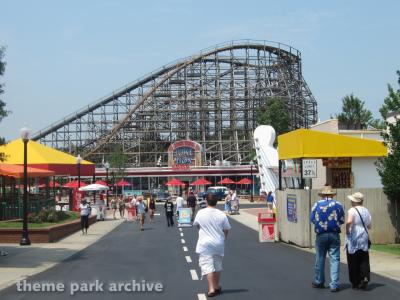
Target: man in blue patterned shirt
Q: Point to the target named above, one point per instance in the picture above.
(327, 215)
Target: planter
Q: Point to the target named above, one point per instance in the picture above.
(43, 235)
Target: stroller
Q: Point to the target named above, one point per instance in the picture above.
(234, 207)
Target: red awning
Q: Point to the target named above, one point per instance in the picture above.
(122, 183)
(226, 181)
(175, 182)
(17, 171)
(101, 182)
(74, 184)
(51, 184)
(201, 182)
(244, 181)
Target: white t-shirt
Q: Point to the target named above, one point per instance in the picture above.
(212, 223)
(358, 237)
(85, 209)
(179, 202)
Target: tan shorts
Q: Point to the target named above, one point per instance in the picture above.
(210, 264)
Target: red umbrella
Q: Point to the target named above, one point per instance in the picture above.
(51, 184)
(201, 182)
(74, 184)
(122, 183)
(101, 182)
(174, 182)
(244, 181)
(226, 181)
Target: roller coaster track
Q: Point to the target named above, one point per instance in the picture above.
(210, 97)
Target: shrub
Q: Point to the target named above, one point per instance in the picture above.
(49, 215)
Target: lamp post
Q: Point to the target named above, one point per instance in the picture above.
(78, 166)
(25, 135)
(107, 166)
(252, 181)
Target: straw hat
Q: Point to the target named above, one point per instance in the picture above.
(356, 197)
(326, 191)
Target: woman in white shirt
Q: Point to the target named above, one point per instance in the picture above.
(357, 225)
(85, 212)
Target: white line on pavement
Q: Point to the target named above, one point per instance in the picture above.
(180, 229)
(183, 241)
(185, 249)
(188, 259)
(194, 275)
(181, 233)
(202, 296)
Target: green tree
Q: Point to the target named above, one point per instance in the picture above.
(276, 114)
(354, 115)
(118, 160)
(3, 111)
(388, 167)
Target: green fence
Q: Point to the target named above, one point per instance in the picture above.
(10, 210)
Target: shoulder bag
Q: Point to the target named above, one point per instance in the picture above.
(365, 228)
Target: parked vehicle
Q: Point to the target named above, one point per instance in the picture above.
(219, 192)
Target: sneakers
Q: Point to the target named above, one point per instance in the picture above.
(364, 284)
(317, 285)
(335, 290)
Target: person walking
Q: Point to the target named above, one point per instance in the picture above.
(192, 203)
(113, 207)
(327, 215)
(85, 213)
(213, 228)
(152, 208)
(169, 212)
(141, 209)
(357, 242)
(179, 203)
(227, 205)
(121, 207)
(270, 201)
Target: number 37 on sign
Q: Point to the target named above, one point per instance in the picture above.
(309, 168)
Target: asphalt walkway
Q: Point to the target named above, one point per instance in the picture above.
(166, 256)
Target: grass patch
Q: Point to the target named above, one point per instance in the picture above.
(392, 249)
(18, 224)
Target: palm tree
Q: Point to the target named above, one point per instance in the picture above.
(354, 115)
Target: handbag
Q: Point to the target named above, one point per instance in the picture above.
(365, 228)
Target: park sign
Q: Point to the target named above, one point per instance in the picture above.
(184, 154)
(309, 168)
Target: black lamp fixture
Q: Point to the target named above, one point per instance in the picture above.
(25, 136)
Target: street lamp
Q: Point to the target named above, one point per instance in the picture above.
(107, 166)
(25, 135)
(78, 165)
(252, 181)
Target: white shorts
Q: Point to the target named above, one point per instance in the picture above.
(210, 264)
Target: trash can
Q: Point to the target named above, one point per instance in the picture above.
(266, 226)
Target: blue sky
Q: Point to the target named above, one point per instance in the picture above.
(63, 55)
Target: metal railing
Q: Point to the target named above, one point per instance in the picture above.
(11, 210)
